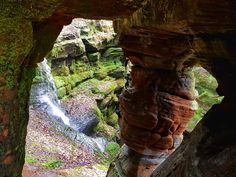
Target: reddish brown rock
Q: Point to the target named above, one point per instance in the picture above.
(162, 38)
(166, 142)
(94, 9)
(155, 108)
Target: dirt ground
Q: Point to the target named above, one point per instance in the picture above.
(44, 146)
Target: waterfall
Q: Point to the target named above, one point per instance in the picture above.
(44, 95)
(43, 98)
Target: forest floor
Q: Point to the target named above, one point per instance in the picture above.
(50, 154)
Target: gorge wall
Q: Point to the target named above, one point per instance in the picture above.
(164, 40)
(88, 70)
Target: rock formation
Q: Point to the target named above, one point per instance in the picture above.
(163, 39)
(87, 67)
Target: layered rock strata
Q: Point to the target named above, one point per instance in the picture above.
(155, 109)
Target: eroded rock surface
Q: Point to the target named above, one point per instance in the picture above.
(165, 34)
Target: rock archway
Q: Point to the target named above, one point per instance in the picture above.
(163, 39)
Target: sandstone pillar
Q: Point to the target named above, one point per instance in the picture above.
(155, 111)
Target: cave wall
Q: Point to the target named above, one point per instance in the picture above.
(164, 36)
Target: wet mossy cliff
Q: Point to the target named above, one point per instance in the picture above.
(89, 73)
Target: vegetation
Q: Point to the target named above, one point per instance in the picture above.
(29, 159)
(109, 155)
(112, 150)
(52, 164)
(206, 86)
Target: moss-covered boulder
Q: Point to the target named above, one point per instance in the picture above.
(68, 48)
(94, 57)
(114, 53)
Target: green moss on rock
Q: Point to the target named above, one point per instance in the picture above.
(113, 53)
(206, 86)
(61, 92)
(112, 119)
(77, 78)
(94, 57)
(60, 81)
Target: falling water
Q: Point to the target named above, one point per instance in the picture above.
(44, 99)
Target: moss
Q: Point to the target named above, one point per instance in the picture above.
(206, 86)
(79, 66)
(105, 130)
(109, 155)
(112, 119)
(38, 78)
(94, 57)
(65, 70)
(77, 78)
(112, 149)
(30, 10)
(102, 166)
(98, 113)
(55, 52)
(113, 53)
(10, 82)
(29, 159)
(100, 74)
(60, 81)
(102, 128)
(196, 118)
(109, 65)
(52, 164)
(19, 32)
(61, 92)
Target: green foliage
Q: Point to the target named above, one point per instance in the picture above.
(98, 113)
(94, 57)
(196, 118)
(112, 119)
(29, 159)
(109, 155)
(113, 53)
(105, 130)
(38, 79)
(52, 164)
(206, 86)
(56, 51)
(100, 74)
(65, 70)
(61, 92)
(60, 81)
(112, 149)
(38, 76)
(10, 83)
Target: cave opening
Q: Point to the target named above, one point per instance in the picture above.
(207, 96)
(73, 112)
(163, 40)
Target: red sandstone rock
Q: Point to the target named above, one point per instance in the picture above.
(153, 111)
(166, 142)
